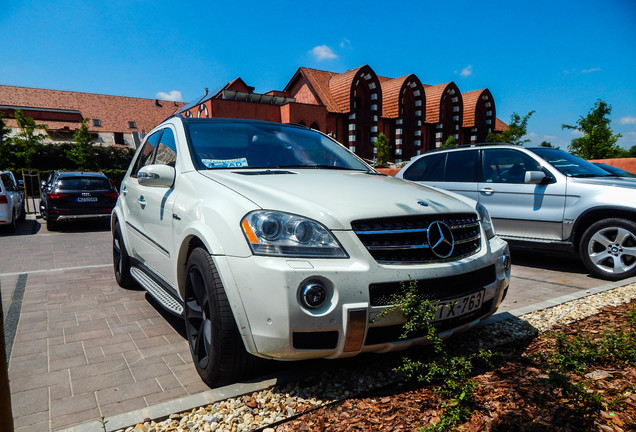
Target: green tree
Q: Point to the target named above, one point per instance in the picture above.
(27, 141)
(5, 143)
(546, 144)
(516, 130)
(81, 153)
(598, 140)
(382, 151)
(450, 142)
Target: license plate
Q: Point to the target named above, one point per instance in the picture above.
(449, 309)
(87, 199)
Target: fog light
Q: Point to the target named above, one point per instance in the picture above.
(313, 294)
(507, 263)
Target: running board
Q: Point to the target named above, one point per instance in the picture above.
(157, 291)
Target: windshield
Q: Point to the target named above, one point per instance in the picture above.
(232, 145)
(569, 165)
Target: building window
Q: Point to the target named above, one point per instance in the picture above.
(132, 125)
(119, 138)
(97, 123)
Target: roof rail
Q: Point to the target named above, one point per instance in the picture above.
(459, 146)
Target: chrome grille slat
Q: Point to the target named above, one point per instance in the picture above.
(404, 239)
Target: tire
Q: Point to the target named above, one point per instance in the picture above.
(13, 226)
(51, 223)
(217, 350)
(608, 249)
(22, 216)
(121, 260)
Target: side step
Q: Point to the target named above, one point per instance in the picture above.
(156, 291)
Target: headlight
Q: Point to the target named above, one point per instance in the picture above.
(282, 234)
(486, 222)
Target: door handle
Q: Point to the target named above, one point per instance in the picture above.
(124, 191)
(142, 201)
(487, 191)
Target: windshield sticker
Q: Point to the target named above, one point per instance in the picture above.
(225, 163)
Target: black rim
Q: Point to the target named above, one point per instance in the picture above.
(198, 323)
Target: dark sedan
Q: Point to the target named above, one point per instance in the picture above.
(68, 196)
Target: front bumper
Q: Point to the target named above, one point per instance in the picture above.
(346, 324)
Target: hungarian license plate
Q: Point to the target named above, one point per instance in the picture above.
(87, 199)
(449, 309)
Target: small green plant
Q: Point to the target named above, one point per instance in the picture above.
(451, 374)
(382, 151)
(450, 142)
(103, 422)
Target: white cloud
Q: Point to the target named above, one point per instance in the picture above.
(345, 44)
(467, 71)
(627, 120)
(323, 52)
(174, 95)
(591, 70)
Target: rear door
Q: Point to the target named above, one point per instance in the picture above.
(518, 209)
(456, 171)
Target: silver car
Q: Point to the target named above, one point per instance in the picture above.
(544, 198)
(11, 202)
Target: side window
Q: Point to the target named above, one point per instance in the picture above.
(147, 153)
(461, 166)
(167, 149)
(427, 168)
(6, 181)
(507, 166)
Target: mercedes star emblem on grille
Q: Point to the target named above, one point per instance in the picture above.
(440, 239)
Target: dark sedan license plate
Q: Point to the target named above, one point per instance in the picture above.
(87, 199)
(460, 306)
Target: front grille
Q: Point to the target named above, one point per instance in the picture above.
(382, 294)
(404, 239)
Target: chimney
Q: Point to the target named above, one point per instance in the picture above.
(206, 91)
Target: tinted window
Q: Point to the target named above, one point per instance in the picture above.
(427, 168)
(461, 166)
(7, 182)
(507, 166)
(167, 149)
(147, 153)
(568, 164)
(83, 183)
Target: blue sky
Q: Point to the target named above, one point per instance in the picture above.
(554, 57)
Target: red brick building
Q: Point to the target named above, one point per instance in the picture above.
(114, 120)
(353, 107)
(356, 105)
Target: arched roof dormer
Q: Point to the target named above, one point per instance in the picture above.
(479, 115)
(345, 88)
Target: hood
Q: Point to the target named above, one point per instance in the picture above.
(621, 182)
(335, 198)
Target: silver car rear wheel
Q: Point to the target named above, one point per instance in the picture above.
(608, 249)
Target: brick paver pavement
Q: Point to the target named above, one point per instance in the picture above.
(85, 348)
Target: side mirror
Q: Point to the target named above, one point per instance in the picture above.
(156, 176)
(534, 177)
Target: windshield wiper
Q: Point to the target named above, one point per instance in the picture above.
(318, 166)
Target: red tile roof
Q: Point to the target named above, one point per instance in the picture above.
(318, 81)
(114, 112)
(392, 92)
(433, 100)
(500, 126)
(340, 88)
(471, 99)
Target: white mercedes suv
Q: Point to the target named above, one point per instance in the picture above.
(275, 241)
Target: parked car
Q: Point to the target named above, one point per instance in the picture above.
(12, 208)
(70, 196)
(615, 170)
(275, 241)
(544, 198)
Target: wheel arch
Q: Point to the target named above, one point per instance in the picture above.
(596, 214)
(190, 242)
